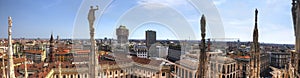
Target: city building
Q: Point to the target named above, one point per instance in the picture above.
(218, 66)
(150, 38)
(124, 66)
(243, 66)
(3, 49)
(173, 54)
(158, 51)
(118, 66)
(243, 62)
(265, 64)
(140, 51)
(36, 56)
(223, 67)
(122, 34)
(279, 59)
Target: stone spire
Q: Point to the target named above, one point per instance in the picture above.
(11, 70)
(51, 39)
(93, 59)
(295, 55)
(294, 68)
(3, 67)
(294, 13)
(59, 70)
(202, 65)
(255, 52)
(255, 32)
(26, 73)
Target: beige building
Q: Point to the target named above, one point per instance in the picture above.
(279, 59)
(123, 67)
(218, 67)
(35, 55)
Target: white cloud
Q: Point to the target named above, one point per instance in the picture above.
(273, 21)
(219, 2)
(165, 2)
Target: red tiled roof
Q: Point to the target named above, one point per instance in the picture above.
(82, 51)
(141, 60)
(245, 57)
(107, 62)
(33, 51)
(19, 60)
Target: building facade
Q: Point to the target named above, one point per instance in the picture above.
(158, 51)
(122, 34)
(218, 67)
(140, 51)
(150, 38)
(279, 59)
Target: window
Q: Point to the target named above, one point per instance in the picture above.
(163, 74)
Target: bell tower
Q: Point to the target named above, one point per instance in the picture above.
(51, 49)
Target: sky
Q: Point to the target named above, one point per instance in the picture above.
(171, 19)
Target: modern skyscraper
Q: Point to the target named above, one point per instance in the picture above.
(122, 33)
(255, 52)
(150, 38)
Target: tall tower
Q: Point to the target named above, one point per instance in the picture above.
(57, 39)
(150, 38)
(11, 70)
(296, 19)
(202, 65)
(51, 49)
(255, 52)
(93, 61)
(122, 33)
